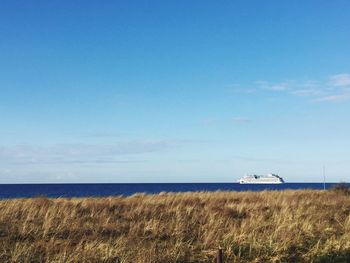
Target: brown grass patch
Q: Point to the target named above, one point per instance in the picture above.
(268, 226)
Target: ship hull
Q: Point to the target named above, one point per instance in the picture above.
(259, 182)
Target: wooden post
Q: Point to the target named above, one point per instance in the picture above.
(219, 256)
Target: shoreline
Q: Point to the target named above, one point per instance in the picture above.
(99, 190)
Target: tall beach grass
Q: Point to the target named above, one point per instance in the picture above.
(268, 226)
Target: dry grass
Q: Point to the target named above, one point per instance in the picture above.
(286, 226)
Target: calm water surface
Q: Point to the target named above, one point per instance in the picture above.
(86, 190)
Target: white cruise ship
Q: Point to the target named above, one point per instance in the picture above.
(261, 179)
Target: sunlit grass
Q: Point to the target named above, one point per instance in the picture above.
(269, 226)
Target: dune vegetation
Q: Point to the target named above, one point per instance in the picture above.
(268, 226)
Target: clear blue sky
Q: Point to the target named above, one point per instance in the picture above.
(174, 91)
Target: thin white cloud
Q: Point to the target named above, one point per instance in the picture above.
(340, 80)
(335, 88)
(223, 121)
(104, 135)
(307, 92)
(282, 86)
(208, 121)
(253, 159)
(121, 152)
(309, 88)
(235, 88)
(334, 98)
(245, 90)
(241, 120)
(82, 153)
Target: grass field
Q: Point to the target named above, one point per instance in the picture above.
(270, 226)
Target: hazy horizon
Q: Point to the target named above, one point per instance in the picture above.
(198, 91)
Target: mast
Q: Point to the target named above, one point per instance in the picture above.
(324, 178)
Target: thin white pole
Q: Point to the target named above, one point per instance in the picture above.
(324, 178)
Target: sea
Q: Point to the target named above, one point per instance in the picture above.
(8, 191)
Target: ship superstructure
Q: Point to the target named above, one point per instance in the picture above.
(261, 179)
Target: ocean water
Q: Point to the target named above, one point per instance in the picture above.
(113, 189)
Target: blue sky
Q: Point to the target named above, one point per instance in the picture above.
(173, 91)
